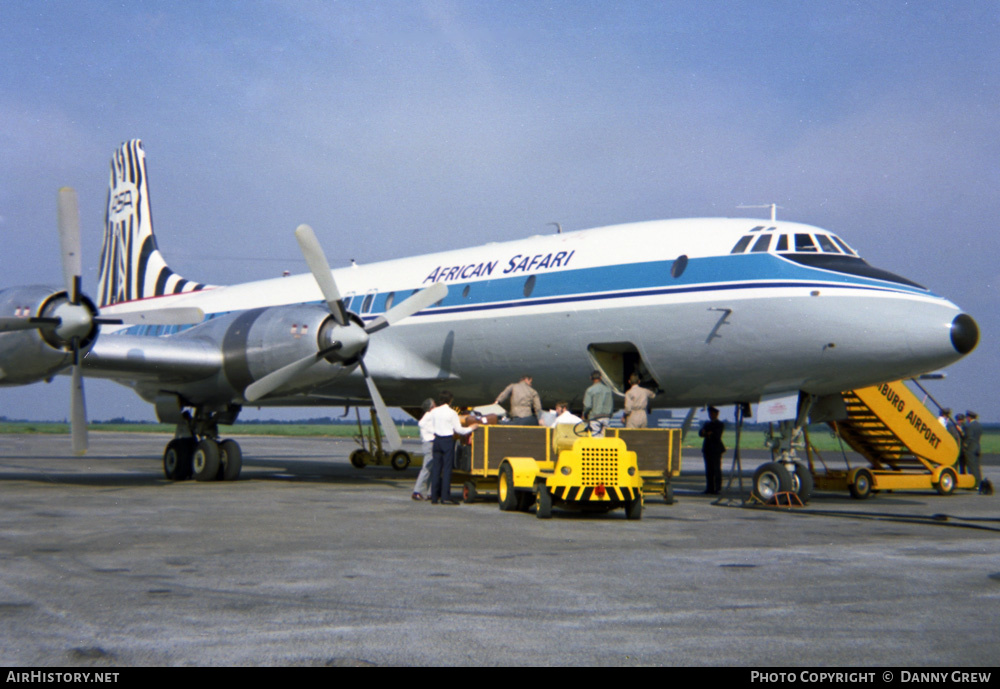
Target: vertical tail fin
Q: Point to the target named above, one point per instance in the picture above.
(132, 266)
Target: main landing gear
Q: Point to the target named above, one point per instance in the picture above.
(197, 452)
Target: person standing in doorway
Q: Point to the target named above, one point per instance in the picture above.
(637, 400)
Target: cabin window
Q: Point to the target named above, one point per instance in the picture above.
(742, 245)
(366, 305)
(465, 292)
(389, 300)
(529, 286)
(826, 245)
(804, 242)
(762, 243)
(680, 263)
(782, 243)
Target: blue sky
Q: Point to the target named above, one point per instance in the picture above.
(396, 128)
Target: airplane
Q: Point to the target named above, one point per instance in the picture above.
(706, 310)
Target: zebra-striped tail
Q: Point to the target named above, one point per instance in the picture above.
(132, 266)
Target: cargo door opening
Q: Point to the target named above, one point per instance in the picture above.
(617, 361)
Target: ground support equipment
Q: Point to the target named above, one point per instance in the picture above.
(371, 451)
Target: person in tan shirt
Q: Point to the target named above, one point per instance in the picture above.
(637, 399)
(525, 404)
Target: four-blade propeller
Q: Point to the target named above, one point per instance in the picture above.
(71, 321)
(349, 339)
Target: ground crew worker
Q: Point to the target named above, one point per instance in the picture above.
(446, 424)
(564, 415)
(598, 403)
(970, 445)
(712, 449)
(421, 489)
(525, 404)
(637, 399)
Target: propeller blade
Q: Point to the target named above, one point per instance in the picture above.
(78, 413)
(275, 379)
(320, 268)
(69, 242)
(419, 301)
(175, 315)
(388, 425)
(8, 325)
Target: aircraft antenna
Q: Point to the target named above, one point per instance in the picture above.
(558, 227)
(773, 206)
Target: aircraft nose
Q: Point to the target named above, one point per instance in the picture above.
(964, 333)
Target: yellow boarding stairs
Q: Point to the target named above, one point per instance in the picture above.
(905, 444)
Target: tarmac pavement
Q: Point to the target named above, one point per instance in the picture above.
(308, 561)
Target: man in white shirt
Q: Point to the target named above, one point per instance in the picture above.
(564, 415)
(446, 424)
(421, 489)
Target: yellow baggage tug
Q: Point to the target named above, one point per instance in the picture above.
(543, 467)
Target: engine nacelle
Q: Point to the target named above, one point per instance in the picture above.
(28, 356)
(257, 342)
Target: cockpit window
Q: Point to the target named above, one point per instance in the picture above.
(843, 245)
(741, 245)
(782, 243)
(826, 245)
(762, 243)
(804, 242)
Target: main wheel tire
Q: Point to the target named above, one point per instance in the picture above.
(177, 459)
(230, 460)
(359, 458)
(770, 479)
(399, 460)
(862, 486)
(505, 489)
(543, 500)
(947, 482)
(205, 460)
(802, 480)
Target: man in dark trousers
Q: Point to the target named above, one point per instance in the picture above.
(972, 434)
(712, 449)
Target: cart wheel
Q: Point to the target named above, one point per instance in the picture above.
(543, 510)
(359, 458)
(668, 493)
(505, 490)
(770, 479)
(633, 508)
(469, 492)
(400, 460)
(946, 482)
(862, 486)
